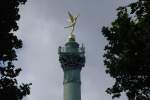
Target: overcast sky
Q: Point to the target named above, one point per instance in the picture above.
(42, 31)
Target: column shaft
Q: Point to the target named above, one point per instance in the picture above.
(72, 84)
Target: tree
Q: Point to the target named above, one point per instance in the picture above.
(127, 54)
(9, 43)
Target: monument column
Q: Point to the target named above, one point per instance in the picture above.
(72, 59)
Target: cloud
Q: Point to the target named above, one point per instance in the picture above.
(41, 29)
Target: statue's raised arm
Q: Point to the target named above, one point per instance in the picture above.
(72, 22)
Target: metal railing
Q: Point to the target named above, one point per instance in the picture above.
(63, 49)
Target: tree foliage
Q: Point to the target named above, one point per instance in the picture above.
(127, 54)
(9, 87)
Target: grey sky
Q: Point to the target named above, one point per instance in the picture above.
(41, 29)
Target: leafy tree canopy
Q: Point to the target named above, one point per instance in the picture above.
(9, 88)
(127, 54)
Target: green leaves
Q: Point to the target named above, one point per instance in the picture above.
(127, 57)
(9, 87)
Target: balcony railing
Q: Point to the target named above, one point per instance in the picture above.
(63, 49)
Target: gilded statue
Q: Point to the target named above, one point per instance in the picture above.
(72, 22)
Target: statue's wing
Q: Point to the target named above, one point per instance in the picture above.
(72, 25)
(68, 26)
(71, 17)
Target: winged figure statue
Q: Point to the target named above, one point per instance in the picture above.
(72, 22)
